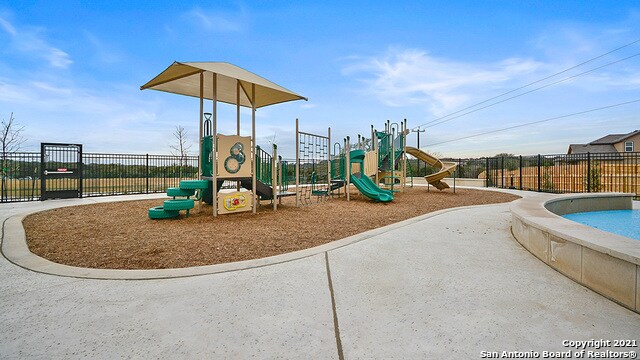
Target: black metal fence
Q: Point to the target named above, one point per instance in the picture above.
(118, 174)
(556, 173)
(20, 177)
(562, 173)
(102, 174)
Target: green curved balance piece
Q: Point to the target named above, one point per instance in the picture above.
(159, 212)
(173, 192)
(179, 204)
(194, 184)
(172, 208)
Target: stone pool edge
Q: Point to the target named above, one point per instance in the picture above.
(606, 263)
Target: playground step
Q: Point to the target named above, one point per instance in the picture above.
(159, 212)
(194, 184)
(173, 192)
(178, 204)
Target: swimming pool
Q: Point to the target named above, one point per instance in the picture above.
(621, 222)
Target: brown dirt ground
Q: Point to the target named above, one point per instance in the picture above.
(120, 235)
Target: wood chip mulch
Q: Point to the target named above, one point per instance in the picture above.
(120, 235)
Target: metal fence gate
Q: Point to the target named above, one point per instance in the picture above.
(61, 171)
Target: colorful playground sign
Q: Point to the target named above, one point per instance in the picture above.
(234, 202)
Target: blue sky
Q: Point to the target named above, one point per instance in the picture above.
(71, 71)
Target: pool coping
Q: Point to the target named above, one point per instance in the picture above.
(604, 262)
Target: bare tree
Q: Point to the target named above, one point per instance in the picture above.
(11, 141)
(272, 139)
(181, 147)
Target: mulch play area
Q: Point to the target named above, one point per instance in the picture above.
(119, 235)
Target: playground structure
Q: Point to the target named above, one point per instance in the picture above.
(223, 157)
(321, 174)
(361, 165)
(257, 174)
(314, 175)
(386, 161)
(389, 146)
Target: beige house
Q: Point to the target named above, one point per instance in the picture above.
(613, 143)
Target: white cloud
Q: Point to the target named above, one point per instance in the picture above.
(104, 119)
(58, 58)
(104, 53)
(12, 93)
(214, 21)
(31, 41)
(410, 77)
(8, 27)
(433, 87)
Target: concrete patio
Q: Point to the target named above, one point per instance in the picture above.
(448, 285)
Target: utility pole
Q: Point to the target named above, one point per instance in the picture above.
(418, 134)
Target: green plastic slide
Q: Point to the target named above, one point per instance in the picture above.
(367, 187)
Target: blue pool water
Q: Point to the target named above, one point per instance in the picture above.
(621, 222)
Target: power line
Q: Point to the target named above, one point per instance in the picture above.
(538, 121)
(532, 83)
(533, 90)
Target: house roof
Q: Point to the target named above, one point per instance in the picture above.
(613, 138)
(591, 148)
(602, 145)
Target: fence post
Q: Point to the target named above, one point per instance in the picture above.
(520, 167)
(588, 171)
(274, 177)
(147, 171)
(80, 171)
(455, 174)
(486, 169)
(42, 167)
(502, 172)
(539, 161)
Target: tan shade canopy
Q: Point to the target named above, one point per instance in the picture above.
(184, 79)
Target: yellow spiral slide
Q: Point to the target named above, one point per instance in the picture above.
(444, 169)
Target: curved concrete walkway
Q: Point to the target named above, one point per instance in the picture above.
(449, 286)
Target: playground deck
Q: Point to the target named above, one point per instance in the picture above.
(120, 236)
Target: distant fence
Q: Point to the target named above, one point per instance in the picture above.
(560, 173)
(100, 174)
(118, 174)
(573, 173)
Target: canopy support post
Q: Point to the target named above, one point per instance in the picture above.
(201, 120)
(297, 165)
(200, 135)
(238, 107)
(253, 141)
(330, 190)
(214, 146)
(274, 177)
(238, 120)
(347, 146)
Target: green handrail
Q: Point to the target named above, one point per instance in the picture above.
(338, 167)
(263, 166)
(285, 167)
